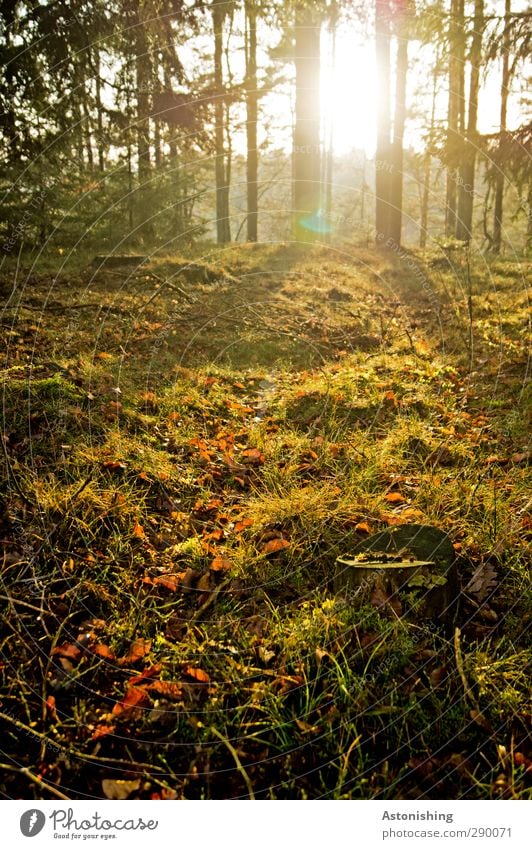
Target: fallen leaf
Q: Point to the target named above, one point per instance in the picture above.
(168, 689)
(363, 528)
(67, 650)
(275, 545)
(197, 674)
(252, 457)
(169, 582)
(50, 707)
(138, 531)
(394, 498)
(114, 788)
(221, 564)
(135, 698)
(139, 648)
(146, 674)
(242, 525)
(103, 651)
(102, 731)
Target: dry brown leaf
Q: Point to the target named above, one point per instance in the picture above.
(115, 788)
(395, 498)
(67, 650)
(252, 457)
(275, 545)
(138, 530)
(135, 698)
(103, 651)
(197, 674)
(221, 564)
(139, 648)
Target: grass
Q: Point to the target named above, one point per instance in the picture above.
(185, 457)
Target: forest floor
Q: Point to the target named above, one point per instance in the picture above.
(187, 450)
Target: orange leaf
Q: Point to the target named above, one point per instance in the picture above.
(146, 674)
(50, 707)
(138, 530)
(67, 650)
(197, 674)
(166, 688)
(103, 651)
(394, 498)
(138, 649)
(135, 697)
(274, 545)
(102, 731)
(363, 528)
(169, 582)
(242, 525)
(114, 465)
(221, 564)
(252, 457)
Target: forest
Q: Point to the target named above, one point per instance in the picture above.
(265, 470)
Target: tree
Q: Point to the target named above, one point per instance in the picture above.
(252, 102)
(306, 162)
(383, 39)
(455, 113)
(505, 85)
(466, 171)
(219, 12)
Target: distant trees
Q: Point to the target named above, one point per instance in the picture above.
(122, 114)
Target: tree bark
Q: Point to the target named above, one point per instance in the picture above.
(454, 110)
(252, 162)
(306, 152)
(466, 188)
(383, 152)
(223, 229)
(395, 213)
(424, 217)
(505, 84)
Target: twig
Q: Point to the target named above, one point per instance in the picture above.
(210, 600)
(54, 744)
(23, 770)
(237, 761)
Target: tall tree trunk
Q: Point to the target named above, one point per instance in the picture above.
(466, 189)
(99, 112)
(143, 81)
(424, 218)
(395, 213)
(329, 157)
(306, 157)
(252, 163)
(505, 84)
(383, 151)
(454, 110)
(223, 229)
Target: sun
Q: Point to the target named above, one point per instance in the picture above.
(349, 93)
